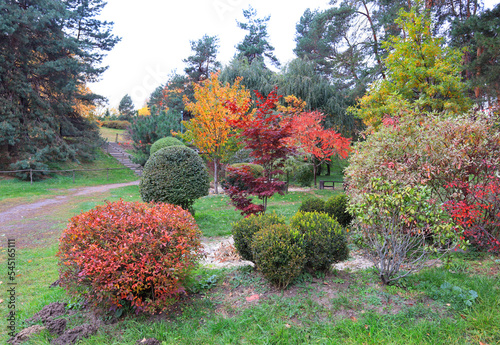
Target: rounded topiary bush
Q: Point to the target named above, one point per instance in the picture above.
(165, 142)
(278, 254)
(312, 204)
(175, 175)
(244, 230)
(126, 253)
(304, 175)
(336, 206)
(323, 240)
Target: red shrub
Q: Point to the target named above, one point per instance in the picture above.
(132, 253)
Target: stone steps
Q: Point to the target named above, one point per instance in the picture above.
(123, 157)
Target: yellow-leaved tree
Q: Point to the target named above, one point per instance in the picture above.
(422, 74)
(210, 128)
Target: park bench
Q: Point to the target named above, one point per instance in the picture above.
(323, 184)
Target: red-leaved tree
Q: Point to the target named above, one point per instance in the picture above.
(318, 143)
(267, 134)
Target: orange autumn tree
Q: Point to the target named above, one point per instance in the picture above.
(318, 143)
(210, 128)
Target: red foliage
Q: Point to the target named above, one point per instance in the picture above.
(267, 134)
(479, 212)
(316, 141)
(132, 253)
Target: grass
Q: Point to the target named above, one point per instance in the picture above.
(111, 134)
(339, 307)
(11, 188)
(279, 318)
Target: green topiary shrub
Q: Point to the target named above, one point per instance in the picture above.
(278, 254)
(126, 253)
(175, 175)
(312, 204)
(336, 206)
(304, 175)
(244, 230)
(165, 142)
(323, 241)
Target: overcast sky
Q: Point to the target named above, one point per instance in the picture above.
(156, 33)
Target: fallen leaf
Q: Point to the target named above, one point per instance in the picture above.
(463, 316)
(354, 319)
(252, 298)
(366, 326)
(448, 304)
(1, 300)
(287, 326)
(30, 261)
(325, 283)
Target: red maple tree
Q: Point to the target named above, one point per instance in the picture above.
(318, 143)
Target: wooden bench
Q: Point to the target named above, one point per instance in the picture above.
(323, 184)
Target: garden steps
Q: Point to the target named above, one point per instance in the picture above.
(123, 157)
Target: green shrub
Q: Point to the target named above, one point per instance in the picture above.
(175, 175)
(336, 206)
(312, 204)
(322, 239)
(244, 230)
(304, 175)
(278, 254)
(118, 254)
(165, 142)
(117, 124)
(27, 164)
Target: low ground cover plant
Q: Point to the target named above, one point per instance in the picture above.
(129, 254)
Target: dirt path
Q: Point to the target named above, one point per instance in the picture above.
(40, 222)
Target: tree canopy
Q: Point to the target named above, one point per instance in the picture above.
(49, 50)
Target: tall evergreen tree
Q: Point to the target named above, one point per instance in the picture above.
(255, 45)
(481, 34)
(49, 49)
(126, 108)
(204, 60)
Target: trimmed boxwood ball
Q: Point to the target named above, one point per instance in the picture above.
(244, 229)
(165, 142)
(323, 240)
(174, 175)
(312, 204)
(336, 207)
(278, 254)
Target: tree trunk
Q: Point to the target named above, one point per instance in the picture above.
(314, 173)
(216, 180)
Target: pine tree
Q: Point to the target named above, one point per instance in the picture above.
(49, 50)
(126, 108)
(204, 60)
(255, 45)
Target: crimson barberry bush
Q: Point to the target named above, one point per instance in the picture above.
(125, 253)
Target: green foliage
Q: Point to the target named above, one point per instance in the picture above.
(126, 109)
(422, 75)
(118, 254)
(312, 204)
(256, 169)
(204, 60)
(38, 101)
(117, 124)
(336, 207)
(165, 142)
(244, 230)
(402, 226)
(145, 130)
(304, 175)
(322, 239)
(278, 254)
(27, 164)
(175, 175)
(255, 45)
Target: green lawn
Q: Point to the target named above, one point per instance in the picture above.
(113, 135)
(12, 188)
(340, 307)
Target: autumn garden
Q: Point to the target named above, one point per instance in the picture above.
(391, 107)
